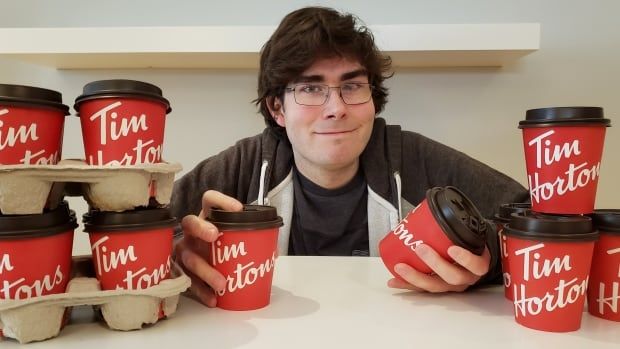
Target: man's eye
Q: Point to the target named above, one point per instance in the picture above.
(311, 88)
(351, 86)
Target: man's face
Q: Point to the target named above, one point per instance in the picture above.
(333, 135)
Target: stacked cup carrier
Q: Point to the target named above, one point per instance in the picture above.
(130, 277)
(547, 247)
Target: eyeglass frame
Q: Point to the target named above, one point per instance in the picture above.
(329, 88)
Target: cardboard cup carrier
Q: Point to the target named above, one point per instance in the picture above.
(40, 281)
(446, 217)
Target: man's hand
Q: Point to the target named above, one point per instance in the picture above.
(466, 270)
(192, 250)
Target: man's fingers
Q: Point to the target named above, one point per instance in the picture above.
(212, 198)
(421, 281)
(398, 283)
(196, 265)
(450, 273)
(199, 228)
(478, 265)
(202, 292)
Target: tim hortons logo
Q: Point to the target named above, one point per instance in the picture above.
(5, 263)
(108, 260)
(244, 274)
(112, 130)
(36, 289)
(609, 300)
(576, 175)
(566, 292)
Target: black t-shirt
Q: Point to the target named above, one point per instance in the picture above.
(329, 222)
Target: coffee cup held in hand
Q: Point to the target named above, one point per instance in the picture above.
(446, 217)
(245, 254)
(604, 283)
(31, 125)
(549, 260)
(35, 253)
(563, 149)
(122, 122)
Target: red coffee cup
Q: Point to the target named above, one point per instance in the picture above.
(446, 217)
(35, 253)
(132, 249)
(563, 150)
(245, 254)
(604, 285)
(31, 125)
(122, 122)
(501, 219)
(549, 261)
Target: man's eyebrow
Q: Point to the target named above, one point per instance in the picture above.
(343, 77)
(353, 74)
(310, 78)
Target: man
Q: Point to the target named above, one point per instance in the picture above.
(338, 175)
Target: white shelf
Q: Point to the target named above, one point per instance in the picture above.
(410, 45)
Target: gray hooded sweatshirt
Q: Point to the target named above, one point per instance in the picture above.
(399, 166)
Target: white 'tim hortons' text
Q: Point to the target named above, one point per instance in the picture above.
(36, 289)
(243, 274)
(576, 176)
(610, 300)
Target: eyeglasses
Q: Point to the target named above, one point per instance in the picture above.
(313, 94)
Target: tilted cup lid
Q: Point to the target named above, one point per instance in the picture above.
(537, 226)
(26, 96)
(135, 220)
(121, 88)
(506, 210)
(49, 222)
(253, 217)
(607, 220)
(458, 217)
(564, 116)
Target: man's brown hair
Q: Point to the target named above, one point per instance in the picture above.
(313, 33)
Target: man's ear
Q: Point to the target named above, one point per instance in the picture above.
(276, 109)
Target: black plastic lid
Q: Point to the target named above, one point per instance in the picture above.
(121, 88)
(28, 96)
(48, 223)
(253, 217)
(607, 220)
(537, 226)
(564, 116)
(506, 210)
(139, 219)
(458, 217)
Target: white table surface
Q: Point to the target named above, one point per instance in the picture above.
(341, 302)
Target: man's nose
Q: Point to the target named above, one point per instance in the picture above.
(335, 105)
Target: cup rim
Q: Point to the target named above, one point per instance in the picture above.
(252, 217)
(454, 228)
(564, 116)
(32, 97)
(50, 222)
(120, 88)
(128, 221)
(536, 226)
(607, 220)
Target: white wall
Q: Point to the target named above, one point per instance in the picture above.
(475, 110)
